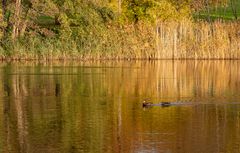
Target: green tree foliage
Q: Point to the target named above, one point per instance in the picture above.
(74, 18)
(182, 7)
(151, 10)
(77, 19)
(165, 10)
(136, 10)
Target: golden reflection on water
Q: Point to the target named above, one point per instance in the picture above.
(96, 107)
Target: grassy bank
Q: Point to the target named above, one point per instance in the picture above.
(171, 40)
(222, 12)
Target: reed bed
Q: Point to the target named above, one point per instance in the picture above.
(187, 40)
(166, 40)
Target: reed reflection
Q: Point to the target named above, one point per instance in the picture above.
(96, 107)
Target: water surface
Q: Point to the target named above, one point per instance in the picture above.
(96, 107)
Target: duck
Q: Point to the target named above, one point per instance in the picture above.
(146, 104)
(149, 104)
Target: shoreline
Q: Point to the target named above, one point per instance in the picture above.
(113, 59)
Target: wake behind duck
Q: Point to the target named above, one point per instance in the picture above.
(168, 104)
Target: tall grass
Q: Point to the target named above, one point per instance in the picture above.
(187, 40)
(171, 40)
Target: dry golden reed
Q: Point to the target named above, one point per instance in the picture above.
(165, 40)
(187, 40)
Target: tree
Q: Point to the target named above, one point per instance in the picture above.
(15, 15)
(152, 10)
(17, 19)
(136, 10)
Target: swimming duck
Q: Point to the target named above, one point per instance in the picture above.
(163, 104)
(146, 104)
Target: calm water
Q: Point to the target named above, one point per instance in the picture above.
(96, 107)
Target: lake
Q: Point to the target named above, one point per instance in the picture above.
(96, 107)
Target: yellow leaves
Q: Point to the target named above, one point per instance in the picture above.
(164, 10)
(68, 6)
(65, 30)
(155, 10)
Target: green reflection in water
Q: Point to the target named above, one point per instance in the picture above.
(96, 107)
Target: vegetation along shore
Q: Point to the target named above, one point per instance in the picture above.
(119, 29)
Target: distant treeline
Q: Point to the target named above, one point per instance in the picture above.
(101, 28)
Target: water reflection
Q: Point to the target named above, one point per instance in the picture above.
(96, 107)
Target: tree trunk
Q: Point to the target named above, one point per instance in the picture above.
(4, 6)
(17, 19)
(23, 29)
(119, 6)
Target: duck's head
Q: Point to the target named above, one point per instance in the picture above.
(146, 104)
